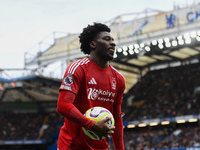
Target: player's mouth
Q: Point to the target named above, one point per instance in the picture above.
(112, 49)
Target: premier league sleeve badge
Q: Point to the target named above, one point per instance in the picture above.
(68, 80)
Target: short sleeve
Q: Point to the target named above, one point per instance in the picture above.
(72, 79)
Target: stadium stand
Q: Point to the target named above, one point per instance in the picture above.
(164, 93)
(167, 92)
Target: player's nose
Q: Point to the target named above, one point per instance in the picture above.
(112, 43)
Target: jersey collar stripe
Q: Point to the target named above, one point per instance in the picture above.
(72, 65)
(85, 61)
(76, 64)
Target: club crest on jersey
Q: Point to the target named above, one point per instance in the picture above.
(68, 80)
(114, 83)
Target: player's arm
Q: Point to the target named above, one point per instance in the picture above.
(68, 90)
(117, 114)
(66, 108)
(118, 132)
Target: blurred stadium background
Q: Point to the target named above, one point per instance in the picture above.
(159, 55)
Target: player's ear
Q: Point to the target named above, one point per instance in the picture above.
(92, 44)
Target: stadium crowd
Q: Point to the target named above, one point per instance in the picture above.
(29, 126)
(165, 138)
(20, 126)
(172, 136)
(168, 92)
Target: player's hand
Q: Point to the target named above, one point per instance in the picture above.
(102, 128)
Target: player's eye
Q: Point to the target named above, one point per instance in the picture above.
(108, 38)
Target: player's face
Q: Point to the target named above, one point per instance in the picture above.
(105, 46)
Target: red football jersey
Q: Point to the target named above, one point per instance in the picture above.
(93, 86)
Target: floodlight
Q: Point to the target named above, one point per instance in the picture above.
(160, 45)
(165, 122)
(136, 51)
(125, 48)
(193, 120)
(141, 44)
(136, 46)
(160, 41)
(198, 38)
(198, 33)
(115, 55)
(153, 124)
(193, 34)
(119, 50)
(130, 46)
(180, 37)
(131, 126)
(142, 125)
(125, 53)
(147, 48)
(188, 40)
(186, 35)
(131, 51)
(166, 39)
(154, 42)
(168, 44)
(174, 43)
(180, 42)
(181, 121)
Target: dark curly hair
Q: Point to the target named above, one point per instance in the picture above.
(89, 33)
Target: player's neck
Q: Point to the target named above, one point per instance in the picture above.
(101, 63)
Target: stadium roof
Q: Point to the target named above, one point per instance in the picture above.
(29, 89)
(143, 43)
(149, 40)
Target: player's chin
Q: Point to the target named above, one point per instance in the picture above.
(110, 56)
